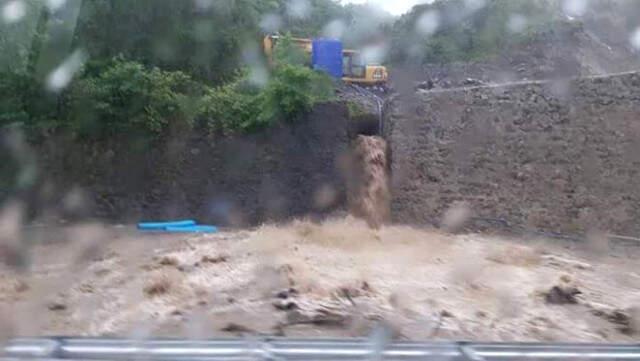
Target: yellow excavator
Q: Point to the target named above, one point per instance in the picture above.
(354, 69)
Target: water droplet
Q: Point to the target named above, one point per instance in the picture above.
(597, 242)
(11, 221)
(251, 53)
(635, 38)
(456, 216)
(55, 4)
(508, 305)
(574, 8)
(203, 4)
(258, 76)
(516, 23)
(560, 88)
(75, 200)
(270, 23)
(334, 29)
(474, 5)
(298, 8)
(374, 54)
(428, 22)
(13, 11)
(62, 75)
(379, 340)
(11, 216)
(203, 31)
(325, 196)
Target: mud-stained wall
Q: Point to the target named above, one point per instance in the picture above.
(558, 155)
(286, 171)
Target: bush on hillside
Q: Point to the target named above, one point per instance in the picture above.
(125, 97)
(291, 91)
(230, 108)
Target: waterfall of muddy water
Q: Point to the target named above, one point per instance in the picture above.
(368, 193)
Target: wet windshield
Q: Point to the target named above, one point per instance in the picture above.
(399, 170)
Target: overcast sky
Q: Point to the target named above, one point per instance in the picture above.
(396, 7)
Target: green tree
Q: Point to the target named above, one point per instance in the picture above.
(204, 39)
(233, 107)
(293, 90)
(175, 61)
(127, 98)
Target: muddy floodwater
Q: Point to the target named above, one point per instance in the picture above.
(337, 278)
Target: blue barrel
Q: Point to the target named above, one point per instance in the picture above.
(326, 55)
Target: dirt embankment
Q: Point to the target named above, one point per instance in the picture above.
(553, 155)
(282, 172)
(312, 167)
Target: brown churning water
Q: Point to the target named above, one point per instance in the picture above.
(368, 191)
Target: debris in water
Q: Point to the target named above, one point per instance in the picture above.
(562, 295)
(236, 328)
(159, 285)
(445, 313)
(214, 260)
(168, 261)
(56, 306)
(286, 293)
(284, 305)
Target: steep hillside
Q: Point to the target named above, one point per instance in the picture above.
(504, 41)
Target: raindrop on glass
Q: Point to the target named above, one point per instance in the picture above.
(298, 8)
(62, 75)
(334, 29)
(474, 5)
(517, 23)
(374, 54)
(204, 4)
(258, 76)
(55, 4)
(428, 22)
(574, 8)
(635, 39)
(13, 11)
(270, 23)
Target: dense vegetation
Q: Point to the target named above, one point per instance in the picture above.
(244, 105)
(120, 96)
(152, 66)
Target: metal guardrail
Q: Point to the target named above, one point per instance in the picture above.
(281, 349)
